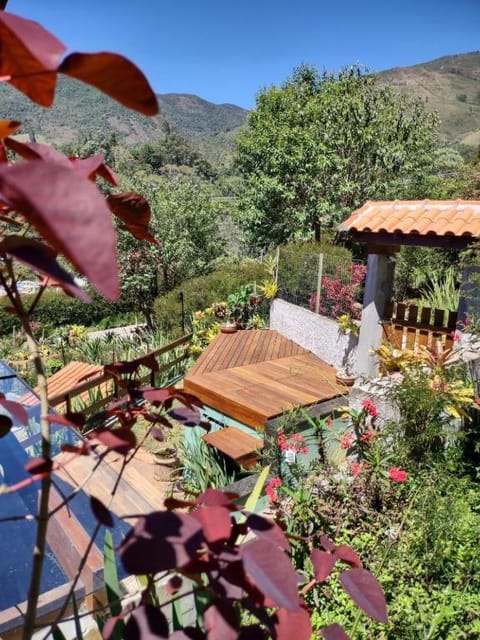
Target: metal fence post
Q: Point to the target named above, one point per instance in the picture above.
(319, 282)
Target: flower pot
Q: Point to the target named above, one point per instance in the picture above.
(345, 380)
(228, 327)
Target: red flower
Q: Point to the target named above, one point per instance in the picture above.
(346, 441)
(369, 435)
(370, 408)
(270, 488)
(397, 475)
(454, 335)
(356, 468)
(477, 400)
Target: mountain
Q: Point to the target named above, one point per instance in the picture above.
(449, 85)
(79, 109)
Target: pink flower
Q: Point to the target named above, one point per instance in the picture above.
(370, 408)
(477, 400)
(397, 475)
(346, 441)
(369, 435)
(356, 468)
(274, 483)
(454, 335)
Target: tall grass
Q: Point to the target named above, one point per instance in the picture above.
(441, 292)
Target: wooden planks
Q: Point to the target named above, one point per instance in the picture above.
(236, 444)
(253, 376)
(407, 327)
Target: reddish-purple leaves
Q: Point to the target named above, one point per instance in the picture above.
(146, 623)
(186, 416)
(70, 213)
(5, 425)
(29, 53)
(365, 590)
(216, 498)
(38, 465)
(100, 511)
(8, 127)
(267, 530)
(42, 260)
(133, 211)
(293, 624)
(161, 541)
(92, 167)
(15, 409)
(272, 572)
(323, 563)
(114, 75)
(334, 632)
(221, 621)
(347, 555)
(37, 151)
(215, 522)
(120, 440)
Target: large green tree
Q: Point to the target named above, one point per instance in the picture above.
(322, 144)
(185, 223)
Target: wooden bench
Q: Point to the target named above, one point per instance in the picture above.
(408, 327)
(236, 444)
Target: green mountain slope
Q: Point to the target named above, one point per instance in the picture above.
(448, 85)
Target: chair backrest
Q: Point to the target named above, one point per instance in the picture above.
(410, 326)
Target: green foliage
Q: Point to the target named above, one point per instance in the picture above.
(441, 292)
(414, 265)
(320, 145)
(204, 467)
(203, 291)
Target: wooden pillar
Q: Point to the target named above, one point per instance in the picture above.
(378, 291)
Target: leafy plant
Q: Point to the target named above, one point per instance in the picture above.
(441, 292)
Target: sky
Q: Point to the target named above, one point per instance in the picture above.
(226, 51)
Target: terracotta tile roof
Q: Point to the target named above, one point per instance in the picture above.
(457, 218)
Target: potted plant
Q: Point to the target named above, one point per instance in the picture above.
(345, 374)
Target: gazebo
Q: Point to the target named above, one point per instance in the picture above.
(386, 226)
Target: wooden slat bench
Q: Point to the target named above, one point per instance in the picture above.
(408, 327)
(236, 444)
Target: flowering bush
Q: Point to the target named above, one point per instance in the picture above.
(339, 297)
(292, 442)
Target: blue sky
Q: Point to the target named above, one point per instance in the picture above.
(226, 51)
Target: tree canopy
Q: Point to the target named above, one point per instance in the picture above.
(320, 145)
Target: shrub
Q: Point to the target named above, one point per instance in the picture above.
(201, 292)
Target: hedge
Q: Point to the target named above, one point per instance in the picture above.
(202, 291)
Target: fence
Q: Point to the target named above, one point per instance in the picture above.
(327, 282)
(408, 327)
(103, 389)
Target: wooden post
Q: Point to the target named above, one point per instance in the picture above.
(277, 260)
(319, 282)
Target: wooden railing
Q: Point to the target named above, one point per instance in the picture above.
(408, 327)
(105, 385)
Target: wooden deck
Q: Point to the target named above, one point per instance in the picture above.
(253, 376)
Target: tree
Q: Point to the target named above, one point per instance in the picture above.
(185, 219)
(320, 145)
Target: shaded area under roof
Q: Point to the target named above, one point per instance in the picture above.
(448, 223)
(253, 376)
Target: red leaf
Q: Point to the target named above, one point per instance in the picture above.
(84, 450)
(326, 543)
(323, 563)
(38, 465)
(16, 410)
(156, 396)
(216, 523)
(5, 425)
(334, 632)
(271, 571)
(293, 624)
(157, 434)
(216, 498)
(109, 626)
(42, 259)
(29, 52)
(176, 503)
(7, 127)
(114, 75)
(70, 213)
(92, 167)
(37, 151)
(146, 623)
(348, 555)
(367, 593)
(221, 622)
(268, 530)
(161, 541)
(121, 441)
(134, 212)
(186, 416)
(101, 512)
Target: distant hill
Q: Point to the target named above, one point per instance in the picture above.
(448, 85)
(78, 110)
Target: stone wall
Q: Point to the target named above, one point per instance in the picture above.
(314, 332)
